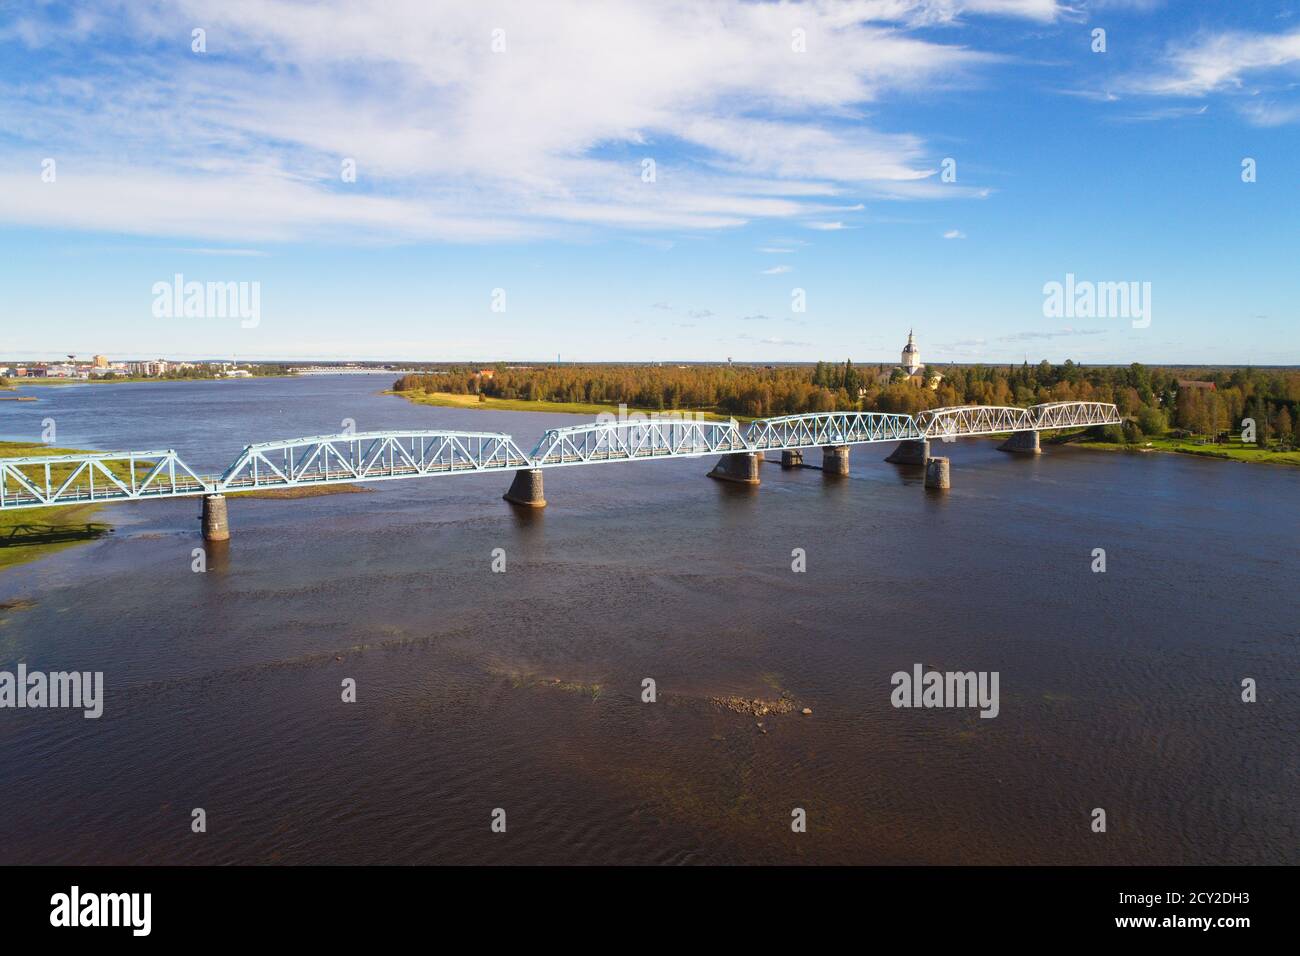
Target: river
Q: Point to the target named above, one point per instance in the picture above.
(522, 691)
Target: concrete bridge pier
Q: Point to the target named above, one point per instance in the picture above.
(740, 467)
(1022, 443)
(835, 459)
(526, 489)
(912, 452)
(792, 459)
(937, 474)
(216, 524)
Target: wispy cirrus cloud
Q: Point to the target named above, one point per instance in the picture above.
(1058, 334)
(1271, 113)
(1220, 61)
(1255, 73)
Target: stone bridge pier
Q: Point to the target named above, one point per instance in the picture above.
(526, 490)
(938, 476)
(739, 467)
(1022, 443)
(835, 459)
(792, 459)
(910, 452)
(216, 523)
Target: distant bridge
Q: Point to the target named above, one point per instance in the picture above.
(42, 482)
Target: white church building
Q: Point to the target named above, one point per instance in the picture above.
(911, 367)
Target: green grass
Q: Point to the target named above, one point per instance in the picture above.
(32, 533)
(1234, 451)
(453, 400)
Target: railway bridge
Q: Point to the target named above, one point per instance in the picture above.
(51, 481)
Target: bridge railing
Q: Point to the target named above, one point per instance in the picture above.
(370, 456)
(37, 482)
(636, 440)
(830, 428)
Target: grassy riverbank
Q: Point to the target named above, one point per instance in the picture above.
(454, 400)
(1182, 446)
(33, 533)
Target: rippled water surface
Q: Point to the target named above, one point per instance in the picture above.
(523, 690)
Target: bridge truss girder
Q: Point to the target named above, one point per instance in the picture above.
(830, 428)
(965, 420)
(40, 482)
(369, 456)
(1051, 415)
(636, 440)
(969, 420)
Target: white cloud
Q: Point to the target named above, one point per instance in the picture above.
(242, 253)
(1220, 61)
(1271, 114)
(954, 234)
(452, 141)
(1162, 113)
(825, 226)
(943, 11)
(776, 271)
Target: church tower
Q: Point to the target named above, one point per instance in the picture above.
(911, 355)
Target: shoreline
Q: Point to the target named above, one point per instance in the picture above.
(300, 491)
(1213, 452)
(458, 400)
(16, 383)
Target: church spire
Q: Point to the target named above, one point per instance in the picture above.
(911, 354)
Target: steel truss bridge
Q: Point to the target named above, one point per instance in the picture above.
(970, 420)
(42, 482)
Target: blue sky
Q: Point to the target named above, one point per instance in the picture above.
(796, 146)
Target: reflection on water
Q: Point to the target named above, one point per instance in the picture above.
(522, 690)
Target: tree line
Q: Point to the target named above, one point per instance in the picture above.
(1151, 398)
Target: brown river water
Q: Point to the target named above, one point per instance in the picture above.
(523, 690)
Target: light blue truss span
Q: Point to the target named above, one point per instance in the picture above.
(830, 428)
(965, 420)
(318, 460)
(1051, 415)
(370, 456)
(636, 440)
(82, 479)
(968, 420)
(380, 456)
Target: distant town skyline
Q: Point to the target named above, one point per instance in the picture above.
(7, 365)
(693, 181)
